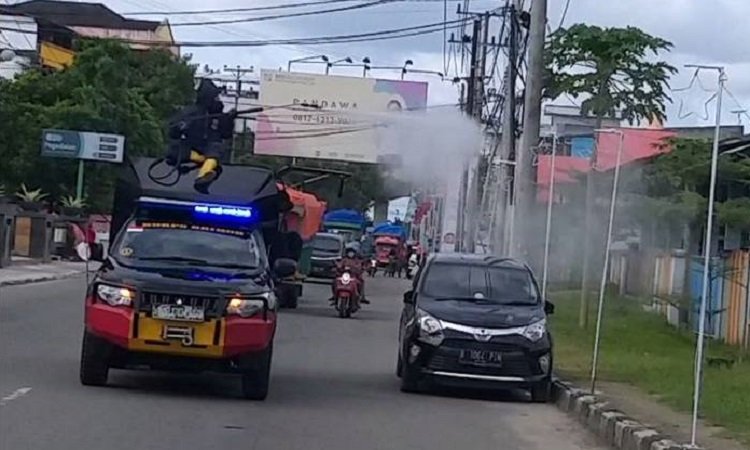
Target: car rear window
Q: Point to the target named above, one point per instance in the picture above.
(494, 283)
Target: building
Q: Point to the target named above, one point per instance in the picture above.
(59, 23)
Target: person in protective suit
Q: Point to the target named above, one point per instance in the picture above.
(197, 135)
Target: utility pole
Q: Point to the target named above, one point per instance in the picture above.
(476, 112)
(508, 137)
(471, 108)
(532, 115)
(238, 71)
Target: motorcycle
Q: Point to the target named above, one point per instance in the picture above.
(346, 293)
(372, 267)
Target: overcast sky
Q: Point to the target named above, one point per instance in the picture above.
(703, 31)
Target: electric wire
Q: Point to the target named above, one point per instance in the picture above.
(285, 16)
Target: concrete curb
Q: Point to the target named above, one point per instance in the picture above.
(41, 278)
(612, 427)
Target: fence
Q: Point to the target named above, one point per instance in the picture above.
(662, 276)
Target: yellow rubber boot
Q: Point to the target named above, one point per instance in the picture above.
(207, 174)
(196, 157)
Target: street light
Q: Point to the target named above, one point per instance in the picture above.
(331, 64)
(323, 58)
(548, 226)
(365, 66)
(706, 251)
(427, 72)
(407, 63)
(605, 269)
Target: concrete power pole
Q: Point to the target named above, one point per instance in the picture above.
(473, 209)
(238, 73)
(470, 108)
(508, 137)
(523, 181)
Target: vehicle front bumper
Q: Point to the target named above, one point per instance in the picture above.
(523, 362)
(218, 338)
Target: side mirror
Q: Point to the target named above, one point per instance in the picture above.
(549, 308)
(284, 267)
(96, 253)
(409, 297)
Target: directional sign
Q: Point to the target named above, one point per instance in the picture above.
(83, 145)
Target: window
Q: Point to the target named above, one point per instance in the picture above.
(495, 284)
(188, 243)
(326, 246)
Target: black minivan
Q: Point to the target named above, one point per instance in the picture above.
(475, 321)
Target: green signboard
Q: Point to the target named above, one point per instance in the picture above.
(86, 145)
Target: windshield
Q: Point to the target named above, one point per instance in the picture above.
(489, 284)
(189, 244)
(326, 246)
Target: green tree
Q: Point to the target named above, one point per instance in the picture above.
(109, 88)
(611, 70)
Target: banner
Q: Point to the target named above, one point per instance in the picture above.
(351, 121)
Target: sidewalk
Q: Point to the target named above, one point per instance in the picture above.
(34, 273)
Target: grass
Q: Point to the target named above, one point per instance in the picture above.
(641, 349)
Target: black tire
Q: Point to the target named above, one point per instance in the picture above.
(542, 392)
(288, 297)
(95, 354)
(256, 380)
(343, 309)
(409, 380)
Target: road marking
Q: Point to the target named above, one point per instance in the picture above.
(18, 393)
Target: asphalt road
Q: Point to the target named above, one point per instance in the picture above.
(333, 387)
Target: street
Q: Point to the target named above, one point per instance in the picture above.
(333, 387)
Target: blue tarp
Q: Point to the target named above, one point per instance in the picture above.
(389, 229)
(345, 216)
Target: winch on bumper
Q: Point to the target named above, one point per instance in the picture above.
(131, 328)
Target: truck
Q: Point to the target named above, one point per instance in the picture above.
(191, 280)
(389, 236)
(347, 222)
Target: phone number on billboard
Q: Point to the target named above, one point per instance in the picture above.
(322, 119)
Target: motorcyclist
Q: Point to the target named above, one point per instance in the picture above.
(353, 261)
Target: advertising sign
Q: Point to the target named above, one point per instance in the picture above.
(348, 121)
(83, 145)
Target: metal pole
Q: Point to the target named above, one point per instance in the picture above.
(79, 183)
(548, 227)
(605, 269)
(707, 259)
(289, 66)
(328, 67)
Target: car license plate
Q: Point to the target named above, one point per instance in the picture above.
(185, 313)
(481, 358)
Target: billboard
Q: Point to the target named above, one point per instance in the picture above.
(349, 121)
(105, 147)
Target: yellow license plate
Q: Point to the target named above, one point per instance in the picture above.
(178, 338)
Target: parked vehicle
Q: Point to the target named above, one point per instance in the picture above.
(327, 250)
(475, 320)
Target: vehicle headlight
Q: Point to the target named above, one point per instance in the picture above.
(430, 329)
(115, 295)
(535, 331)
(248, 307)
(346, 278)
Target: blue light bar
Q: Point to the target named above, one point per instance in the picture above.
(223, 211)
